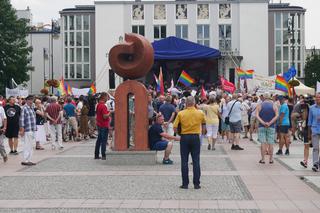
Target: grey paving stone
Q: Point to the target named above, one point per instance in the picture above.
(85, 210)
(120, 187)
(89, 150)
(68, 164)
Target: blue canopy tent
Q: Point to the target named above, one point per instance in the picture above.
(174, 55)
(173, 48)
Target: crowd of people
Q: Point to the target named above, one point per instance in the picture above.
(188, 117)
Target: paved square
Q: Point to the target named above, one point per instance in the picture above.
(120, 187)
(73, 164)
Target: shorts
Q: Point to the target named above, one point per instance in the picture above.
(235, 127)
(245, 120)
(72, 121)
(266, 135)
(224, 126)
(12, 131)
(284, 129)
(254, 122)
(160, 145)
(212, 130)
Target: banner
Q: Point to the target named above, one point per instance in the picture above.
(261, 84)
(16, 92)
(78, 92)
(227, 86)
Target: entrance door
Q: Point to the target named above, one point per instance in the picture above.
(231, 75)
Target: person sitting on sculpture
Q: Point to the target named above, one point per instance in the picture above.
(156, 142)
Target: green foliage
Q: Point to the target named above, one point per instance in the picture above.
(14, 49)
(312, 70)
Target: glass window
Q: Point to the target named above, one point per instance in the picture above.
(139, 29)
(221, 31)
(79, 55)
(86, 72)
(65, 55)
(182, 31)
(299, 54)
(299, 70)
(285, 18)
(71, 39)
(278, 53)
(228, 45)
(156, 32)
(206, 43)
(78, 22)
(285, 53)
(228, 31)
(86, 55)
(66, 39)
(71, 71)
(206, 31)
(163, 31)
(222, 45)
(285, 37)
(278, 20)
(71, 54)
(299, 36)
(71, 22)
(79, 70)
(65, 23)
(199, 31)
(134, 29)
(79, 38)
(66, 71)
(86, 22)
(278, 37)
(85, 38)
(203, 35)
(299, 20)
(278, 68)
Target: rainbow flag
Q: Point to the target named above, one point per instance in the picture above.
(161, 82)
(249, 74)
(281, 84)
(69, 90)
(185, 79)
(157, 83)
(241, 73)
(92, 90)
(61, 89)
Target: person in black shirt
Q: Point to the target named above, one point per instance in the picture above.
(156, 142)
(13, 112)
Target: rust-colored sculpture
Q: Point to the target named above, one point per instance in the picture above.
(132, 59)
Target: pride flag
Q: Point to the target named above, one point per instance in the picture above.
(61, 89)
(241, 73)
(161, 82)
(185, 79)
(92, 90)
(203, 93)
(157, 83)
(249, 74)
(281, 84)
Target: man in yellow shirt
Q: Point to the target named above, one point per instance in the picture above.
(190, 121)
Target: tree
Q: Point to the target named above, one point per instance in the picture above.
(14, 49)
(312, 70)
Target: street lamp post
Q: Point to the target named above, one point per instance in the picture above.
(292, 38)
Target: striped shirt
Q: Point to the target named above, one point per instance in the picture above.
(53, 110)
(28, 119)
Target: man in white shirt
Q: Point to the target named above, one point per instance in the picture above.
(3, 126)
(234, 112)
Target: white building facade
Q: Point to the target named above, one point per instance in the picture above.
(238, 28)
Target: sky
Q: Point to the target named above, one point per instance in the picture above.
(45, 10)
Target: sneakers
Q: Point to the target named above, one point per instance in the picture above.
(237, 147)
(28, 163)
(304, 164)
(11, 152)
(183, 187)
(287, 152)
(209, 146)
(168, 161)
(197, 187)
(315, 168)
(279, 152)
(233, 147)
(5, 158)
(103, 158)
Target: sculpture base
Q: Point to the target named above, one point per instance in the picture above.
(131, 158)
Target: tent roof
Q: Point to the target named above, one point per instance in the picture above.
(173, 48)
(303, 89)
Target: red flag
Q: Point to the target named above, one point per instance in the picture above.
(227, 85)
(203, 94)
(161, 82)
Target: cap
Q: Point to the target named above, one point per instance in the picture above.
(30, 97)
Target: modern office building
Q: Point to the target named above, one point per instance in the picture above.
(286, 38)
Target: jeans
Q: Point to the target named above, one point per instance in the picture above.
(315, 152)
(101, 142)
(56, 135)
(190, 144)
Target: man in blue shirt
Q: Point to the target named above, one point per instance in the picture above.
(314, 125)
(168, 111)
(156, 142)
(70, 111)
(284, 125)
